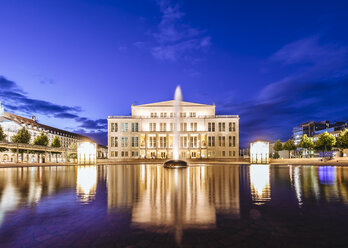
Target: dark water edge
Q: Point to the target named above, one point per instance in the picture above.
(148, 206)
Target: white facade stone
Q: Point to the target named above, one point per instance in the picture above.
(148, 132)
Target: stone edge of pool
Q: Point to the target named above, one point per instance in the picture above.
(316, 161)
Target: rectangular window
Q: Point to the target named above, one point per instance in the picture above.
(219, 140)
(153, 115)
(112, 128)
(183, 141)
(229, 153)
(163, 127)
(183, 114)
(213, 141)
(192, 114)
(209, 141)
(163, 142)
(152, 142)
(124, 142)
(223, 127)
(171, 114)
(153, 127)
(209, 126)
(223, 141)
(223, 153)
(230, 126)
(135, 127)
(234, 127)
(112, 141)
(220, 129)
(171, 127)
(234, 141)
(213, 127)
(124, 127)
(193, 141)
(234, 153)
(135, 141)
(229, 141)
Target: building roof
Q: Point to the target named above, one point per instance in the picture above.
(171, 103)
(23, 120)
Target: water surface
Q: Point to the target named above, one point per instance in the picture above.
(148, 206)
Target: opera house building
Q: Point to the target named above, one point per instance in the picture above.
(148, 132)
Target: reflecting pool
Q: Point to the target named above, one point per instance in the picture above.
(146, 205)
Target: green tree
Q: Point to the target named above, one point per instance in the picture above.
(289, 146)
(325, 142)
(278, 146)
(56, 143)
(306, 143)
(276, 155)
(342, 140)
(23, 136)
(40, 140)
(2, 138)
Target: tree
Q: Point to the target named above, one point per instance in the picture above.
(342, 140)
(306, 143)
(41, 140)
(23, 136)
(278, 146)
(276, 155)
(325, 142)
(2, 138)
(289, 146)
(56, 143)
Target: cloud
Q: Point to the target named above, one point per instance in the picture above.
(316, 91)
(309, 50)
(174, 39)
(15, 99)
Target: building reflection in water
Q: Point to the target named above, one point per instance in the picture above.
(86, 183)
(320, 182)
(260, 183)
(164, 199)
(27, 186)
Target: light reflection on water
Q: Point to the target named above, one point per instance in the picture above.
(260, 183)
(86, 184)
(164, 200)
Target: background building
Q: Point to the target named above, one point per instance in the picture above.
(148, 132)
(314, 129)
(12, 123)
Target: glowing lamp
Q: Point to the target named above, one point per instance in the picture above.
(259, 152)
(86, 153)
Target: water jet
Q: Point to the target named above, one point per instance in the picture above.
(176, 162)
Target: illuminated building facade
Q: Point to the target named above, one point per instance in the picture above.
(12, 123)
(148, 132)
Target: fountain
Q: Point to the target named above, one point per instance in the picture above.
(176, 162)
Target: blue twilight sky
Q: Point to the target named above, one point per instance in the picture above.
(275, 63)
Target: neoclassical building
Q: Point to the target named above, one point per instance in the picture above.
(12, 123)
(148, 132)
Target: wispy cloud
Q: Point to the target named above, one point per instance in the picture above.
(16, 100)
(316, 91)
(175, 39)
